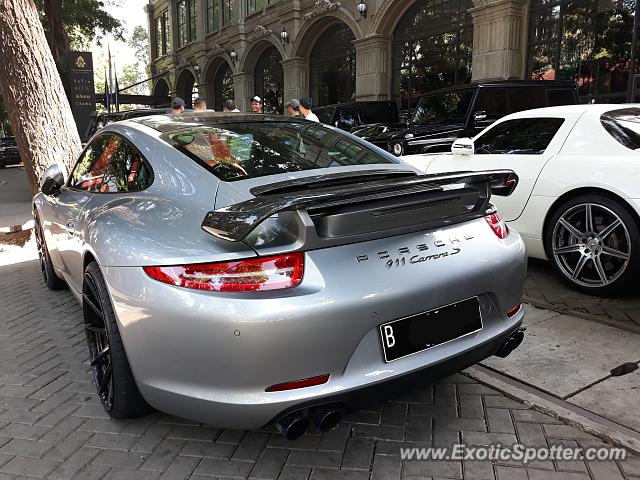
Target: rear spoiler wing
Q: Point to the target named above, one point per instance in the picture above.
(237, 221)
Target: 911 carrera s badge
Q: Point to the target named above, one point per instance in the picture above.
(418, 253)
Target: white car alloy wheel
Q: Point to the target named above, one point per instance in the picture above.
(592, 243)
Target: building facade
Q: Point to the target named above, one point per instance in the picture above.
(338, 51)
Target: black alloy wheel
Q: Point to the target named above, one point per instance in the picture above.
(111, 371)
(49, 275)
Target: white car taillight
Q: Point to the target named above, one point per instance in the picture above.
(497, 224)
(255, 274)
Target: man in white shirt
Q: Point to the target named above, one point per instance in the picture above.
(305, 108)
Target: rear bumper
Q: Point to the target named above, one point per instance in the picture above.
(362, 397)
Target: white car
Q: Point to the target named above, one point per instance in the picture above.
(577, 203)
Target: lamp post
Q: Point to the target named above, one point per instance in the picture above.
(284, 36)
(362, 8)
(234, 55)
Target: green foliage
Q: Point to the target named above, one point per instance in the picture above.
(139, 41)
(85, 21)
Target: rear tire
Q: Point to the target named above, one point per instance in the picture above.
(593, 242)
(49, 275)
(111, 371)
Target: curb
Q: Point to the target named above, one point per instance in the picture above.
(18, 228)
(588, 422)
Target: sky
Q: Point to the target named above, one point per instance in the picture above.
(131, 13)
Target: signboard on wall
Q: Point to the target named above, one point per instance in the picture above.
(81, 89)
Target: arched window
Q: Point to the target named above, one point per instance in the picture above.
(432, 49)
(223, 86)
(185, 88)
(588, 41)
(269, 80)
(333, 66)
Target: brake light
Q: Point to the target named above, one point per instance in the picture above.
(497, 224)
(511, 312)
(305, 382)
(255, 274)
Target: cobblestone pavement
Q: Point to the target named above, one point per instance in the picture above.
(544, 286)
(52, 425)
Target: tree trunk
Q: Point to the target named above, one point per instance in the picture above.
(37, 107)
(56, 36)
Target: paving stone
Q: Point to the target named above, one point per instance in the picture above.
(386, 432)
(26, 448)
(325, 474)
(208, 449)
(270, 464)
(315, 459)
(292, 472)
(112, 441)
(251, 446)
(31, 467)
(433, 468)
(358, 454)
(180, 468)
(224, 468)
(115, 458)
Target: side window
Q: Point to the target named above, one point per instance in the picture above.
(344, 118)
(560, 96)
(526, 98)
(88, 172)
(493, 102)
(127, 171)
(524, 136)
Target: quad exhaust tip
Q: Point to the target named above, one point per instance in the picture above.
(325, 419)
(510, 344)
(293, 426)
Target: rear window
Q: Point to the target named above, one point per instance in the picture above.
(235, 151)
(624, 126)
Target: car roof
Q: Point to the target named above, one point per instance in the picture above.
(180, 121)
(573, 110)
(507, 83)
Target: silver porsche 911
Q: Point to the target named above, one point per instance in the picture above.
(252, 270)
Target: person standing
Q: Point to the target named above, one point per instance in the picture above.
(305, 107)
(230, 106)
(200, 104)
(293, 107)
(177, 105)
(256, 104)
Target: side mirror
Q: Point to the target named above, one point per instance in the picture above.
(462, 146)
(479, 116)
(53, 180)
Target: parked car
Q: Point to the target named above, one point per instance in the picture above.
(578, 199)
(243, 270)
(106, 118)
(444, 115)
(348, 116)
(9, 154)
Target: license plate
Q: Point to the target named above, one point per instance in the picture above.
(414, 334)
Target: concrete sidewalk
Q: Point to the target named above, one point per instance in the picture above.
(583, 366)
(15, 198)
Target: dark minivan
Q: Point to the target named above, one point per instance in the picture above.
(464, 111)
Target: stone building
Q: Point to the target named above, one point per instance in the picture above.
(337, 51)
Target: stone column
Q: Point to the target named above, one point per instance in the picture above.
(296, 78)
(243, 90)
(373, 68)
(498, 50)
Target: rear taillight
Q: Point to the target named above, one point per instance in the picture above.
(512, 311)
(497, 224)
(255, 274)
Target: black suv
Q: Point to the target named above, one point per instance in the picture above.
(444, 115)
(9, 154)
(105, 119)
(348, 116)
